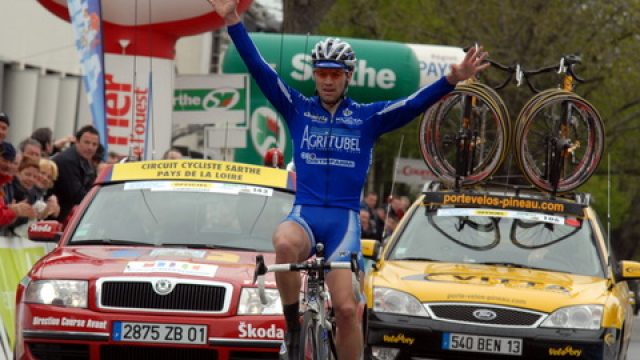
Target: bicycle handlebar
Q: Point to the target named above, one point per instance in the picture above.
(566, 64)
(312, 265)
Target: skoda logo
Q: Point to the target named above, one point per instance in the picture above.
(484, 314)
(163, 287)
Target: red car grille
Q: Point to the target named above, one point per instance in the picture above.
(140, 295)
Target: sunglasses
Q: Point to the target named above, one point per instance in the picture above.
(331, 73)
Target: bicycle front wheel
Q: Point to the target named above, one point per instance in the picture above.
(309, 338)
(559, 115)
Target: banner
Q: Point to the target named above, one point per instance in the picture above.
(138, 116)
(413, 172)
(86, 20)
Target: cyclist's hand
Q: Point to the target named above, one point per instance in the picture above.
(227, 10)
(472, 64)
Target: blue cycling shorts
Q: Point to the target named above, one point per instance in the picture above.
(337, 228)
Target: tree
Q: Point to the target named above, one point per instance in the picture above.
(304, 16)
(534, 33)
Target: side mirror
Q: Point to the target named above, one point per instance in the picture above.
(370, 248)
(45, 231)
(629, 269)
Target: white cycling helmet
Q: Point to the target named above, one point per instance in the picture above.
(333, 53)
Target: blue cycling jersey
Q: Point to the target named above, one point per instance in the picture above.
(332, 153)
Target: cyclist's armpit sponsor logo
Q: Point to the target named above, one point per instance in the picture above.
(503, 202)
(317, 118)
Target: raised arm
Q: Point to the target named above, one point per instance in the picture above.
(273, 87)
(396, 114)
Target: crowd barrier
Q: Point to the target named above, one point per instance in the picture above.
(17, 256)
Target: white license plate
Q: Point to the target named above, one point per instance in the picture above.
(483, 344)
(159, 333)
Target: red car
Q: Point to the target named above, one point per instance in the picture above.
(157, 263)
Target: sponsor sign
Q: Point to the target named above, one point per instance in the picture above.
(201, 170)
(503, 202)
(435, 61)
(413, 172)
(133, 108)
(248, 330)
(521, 215)
(211, 99)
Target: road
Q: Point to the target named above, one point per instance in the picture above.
(634, 346)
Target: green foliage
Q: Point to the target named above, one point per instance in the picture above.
(533, 33)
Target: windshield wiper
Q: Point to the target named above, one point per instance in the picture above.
(415, 258)
(208, 246)
(513, 265)
(108, 241)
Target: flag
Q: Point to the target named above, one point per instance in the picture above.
(86, 20)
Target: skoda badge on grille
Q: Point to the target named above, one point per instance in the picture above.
(163, 287)
(484, 314)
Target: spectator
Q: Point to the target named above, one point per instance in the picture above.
(4, 126)
(367, 226)
(76, 171)
(370, 203)
(44, 136)
(48, 175)
(30, 148)
(172, 154)
(8, 213)
(396, 208)
(25, 191)
(391, 223)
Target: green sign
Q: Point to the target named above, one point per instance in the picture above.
(205, 99)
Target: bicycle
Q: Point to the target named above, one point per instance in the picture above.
(317, 333)
(464, 137)
(559, 135)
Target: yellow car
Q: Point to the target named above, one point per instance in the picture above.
(497, 274)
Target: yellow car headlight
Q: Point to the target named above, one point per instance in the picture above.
(586, 317)
(387, 300)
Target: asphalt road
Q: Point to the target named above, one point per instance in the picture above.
(634, 346)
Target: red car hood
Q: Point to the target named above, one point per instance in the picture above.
(93, 262)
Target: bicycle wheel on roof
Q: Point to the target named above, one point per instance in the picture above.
(556, 117)
(476, 112)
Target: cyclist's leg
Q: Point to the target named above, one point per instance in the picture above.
(292, 242)
(343, 239)
(347, 312)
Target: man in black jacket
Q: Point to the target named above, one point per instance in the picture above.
(76, 172)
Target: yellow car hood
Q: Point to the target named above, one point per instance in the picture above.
(499, 285)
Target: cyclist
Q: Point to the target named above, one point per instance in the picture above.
(333, 138)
